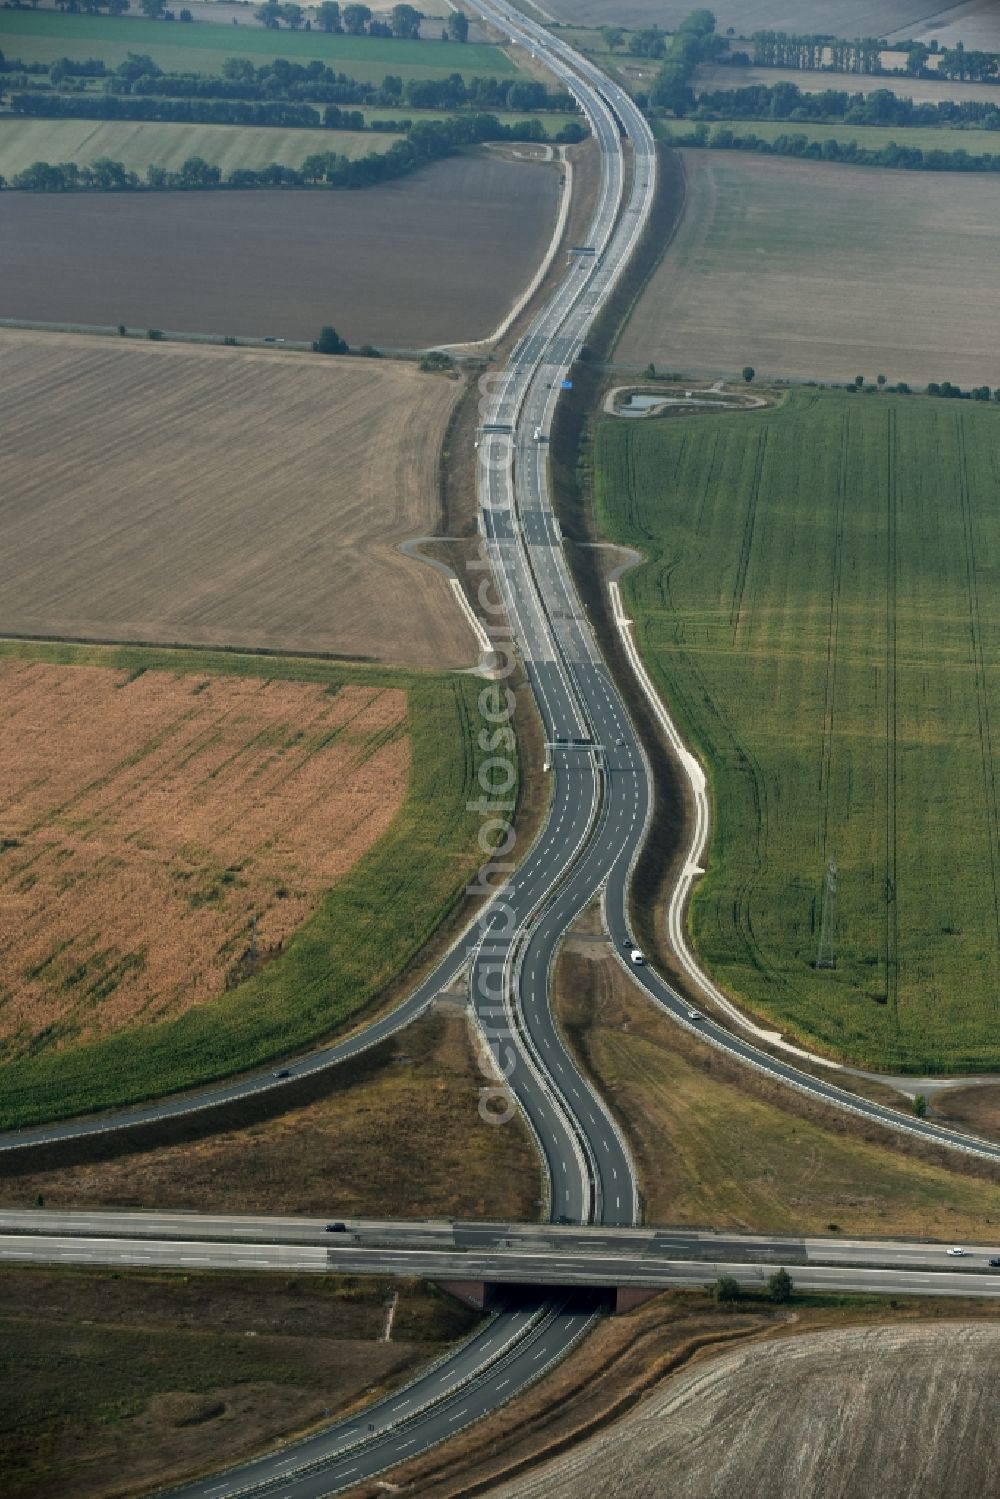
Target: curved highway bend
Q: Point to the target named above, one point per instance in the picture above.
(600, 799)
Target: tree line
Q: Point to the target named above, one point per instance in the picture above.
(235, 112)
(356, 20)
(185, 111)
(784, 101)
(312, 82)
(892, 154)
(427, 141)
(781, 49)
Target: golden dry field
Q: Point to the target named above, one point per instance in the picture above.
(212, 496)
(147, 821)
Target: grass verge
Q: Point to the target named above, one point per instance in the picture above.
(394, 1133)
(116, 1382)
(718, 1146)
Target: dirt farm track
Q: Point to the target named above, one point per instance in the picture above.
(212, 496)
(435, 258)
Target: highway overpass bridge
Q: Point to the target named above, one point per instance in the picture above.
(477, 1260)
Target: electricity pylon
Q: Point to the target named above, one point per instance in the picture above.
(826, 952)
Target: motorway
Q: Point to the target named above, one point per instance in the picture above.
(588, 1272)
(535, 1253)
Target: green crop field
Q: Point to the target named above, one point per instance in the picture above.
(820, 610)
(874, 137)
(365, 931)
(44, 35)
(139, 144)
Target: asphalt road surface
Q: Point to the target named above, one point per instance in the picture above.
(587, 1272)
(598, 1255)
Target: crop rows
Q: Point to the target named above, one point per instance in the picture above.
(850, 714)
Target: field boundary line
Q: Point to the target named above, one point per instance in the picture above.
(832, 645)
(891, 715)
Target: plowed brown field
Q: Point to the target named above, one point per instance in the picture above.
(764, 270)
(893, 1411)
(221, 497)
(146, 821)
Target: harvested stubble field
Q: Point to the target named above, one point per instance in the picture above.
(830, 1414)
(818, 609)
(765, 270)
(847, 18)
(438, 257)
(716, 1145)
(113, 1384)
(156, 802)
(222, 497)
(44, 35)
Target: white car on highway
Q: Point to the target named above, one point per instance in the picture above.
(637, 957)
(956, 1249)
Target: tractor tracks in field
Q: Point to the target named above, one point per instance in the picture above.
(891, 930)
(978, 661)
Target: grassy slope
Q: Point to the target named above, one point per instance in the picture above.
(873, 137)
(819, 611)
(174, 1373)
(395, 1133)
(367, 929)
(717, 1147)
(44, 35)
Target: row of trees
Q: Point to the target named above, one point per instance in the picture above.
(427, 141)
(356, 20)
(186, 111)
(274, 113)
(785, 101)
(310, 82)
(781, 49)
(156, 10)
(322, 85)
(892, 154)
(956, 393)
